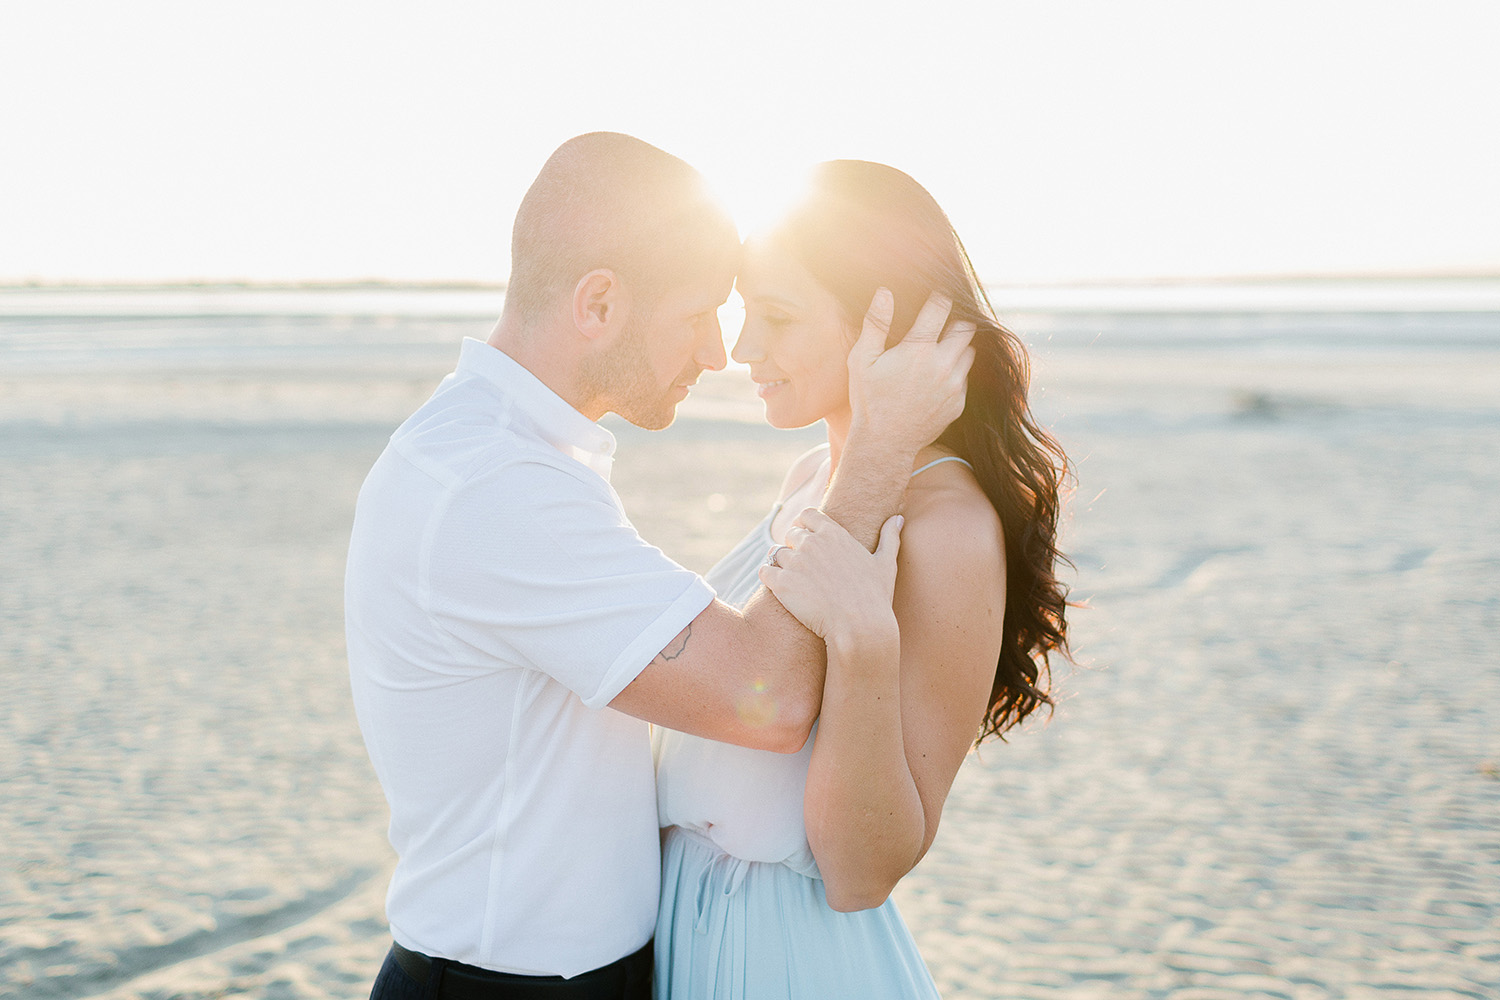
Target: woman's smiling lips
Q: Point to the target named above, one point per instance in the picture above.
(765, 387)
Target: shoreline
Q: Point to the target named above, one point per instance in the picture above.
(1477, 292)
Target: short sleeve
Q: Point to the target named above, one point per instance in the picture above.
(534, 565)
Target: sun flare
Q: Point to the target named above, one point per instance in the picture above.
(758, 193)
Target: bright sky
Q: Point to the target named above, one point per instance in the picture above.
(178, 139)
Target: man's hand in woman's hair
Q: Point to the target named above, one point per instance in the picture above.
(914, 389)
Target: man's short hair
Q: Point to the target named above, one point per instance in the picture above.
(607, 200)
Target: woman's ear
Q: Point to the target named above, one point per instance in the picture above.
(598, 303)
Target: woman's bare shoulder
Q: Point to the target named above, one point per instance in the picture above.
(950, 521)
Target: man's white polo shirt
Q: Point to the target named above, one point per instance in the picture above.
(497, 599)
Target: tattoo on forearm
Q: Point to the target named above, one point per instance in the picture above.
(677, 646)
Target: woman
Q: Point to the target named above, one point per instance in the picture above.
(777, 868)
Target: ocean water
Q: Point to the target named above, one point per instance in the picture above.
(391, 329)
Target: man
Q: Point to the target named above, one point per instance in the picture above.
(509, 631)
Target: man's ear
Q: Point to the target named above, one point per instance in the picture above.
(599, 303)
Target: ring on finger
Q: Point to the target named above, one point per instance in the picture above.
(771, 556)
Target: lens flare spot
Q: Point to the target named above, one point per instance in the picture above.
(756, 707)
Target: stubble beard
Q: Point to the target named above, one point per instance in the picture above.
(625, 378)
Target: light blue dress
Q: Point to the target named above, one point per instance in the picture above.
(743, 914)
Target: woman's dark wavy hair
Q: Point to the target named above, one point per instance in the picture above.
(863, 225)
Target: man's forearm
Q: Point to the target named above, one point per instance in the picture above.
(869, 485)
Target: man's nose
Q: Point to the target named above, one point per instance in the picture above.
(711, 352)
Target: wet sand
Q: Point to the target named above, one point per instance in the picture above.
(1275, 774)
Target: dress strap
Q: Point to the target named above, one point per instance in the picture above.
(939, 461)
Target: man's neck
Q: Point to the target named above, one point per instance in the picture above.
(540, 352)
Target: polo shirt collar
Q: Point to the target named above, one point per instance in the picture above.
(550, 416)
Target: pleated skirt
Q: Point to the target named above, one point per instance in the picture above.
(731, 929)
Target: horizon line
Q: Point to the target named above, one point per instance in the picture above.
(460, 285)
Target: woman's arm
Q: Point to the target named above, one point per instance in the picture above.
(866, 821)
(904, 695)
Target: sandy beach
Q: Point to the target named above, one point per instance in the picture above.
(1275, 773)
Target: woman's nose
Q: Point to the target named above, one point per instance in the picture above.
(747, 349)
